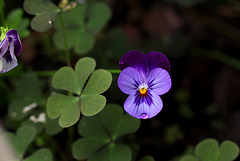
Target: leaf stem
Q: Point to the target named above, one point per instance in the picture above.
(114, 71)
(46, 73)
(65, 40)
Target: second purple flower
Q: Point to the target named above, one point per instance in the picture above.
(10, 47)
(144, 78)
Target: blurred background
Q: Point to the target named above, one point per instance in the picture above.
(201, 39)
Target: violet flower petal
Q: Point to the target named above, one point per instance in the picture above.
(11, 48)
(3, 47)
(134, 59)
(157, 60)
(129, 80)
(16, 39)
(156, 106)
(5, 65)
(159, 81)
(143, 110)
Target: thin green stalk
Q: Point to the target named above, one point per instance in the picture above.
(46, 73)
(65, 40)
(114, 71)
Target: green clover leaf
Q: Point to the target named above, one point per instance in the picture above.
(20, 142)
(28, 105)
(209, 150)
(87, 99)
(45, 12)
(101, 133)
(82, 25)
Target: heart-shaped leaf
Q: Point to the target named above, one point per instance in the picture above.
(84, 68)
(45, 11)
(65, 106)
(98, 83)
(40, 155)
(65, 78)
(43, 22)
(228, 151)
(208, 150)
(24, 136)
(93, 104)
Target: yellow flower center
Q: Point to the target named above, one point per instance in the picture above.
(143, 91)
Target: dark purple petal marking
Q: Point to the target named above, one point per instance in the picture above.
(157, 60)
(159, 81)
(129, 80)
(134, 59)
(3, 47)
(7, 57)
(16, 39)
(142, 109)
(143, 98)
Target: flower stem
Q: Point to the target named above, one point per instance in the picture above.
(46, 73)
(65, 40)
(114, 71)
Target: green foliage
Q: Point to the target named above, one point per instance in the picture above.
(189, 158)
(42, 154)
(20, 142)
(28, 105)
(82, 25)
(209, 150)
(15, 20)
(45, 13)
(88, 100)
(101, 133)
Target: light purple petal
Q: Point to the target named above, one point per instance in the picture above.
(11, 49)
(3, 47)
(134, 59)
(17, 42)
(143, 110)
(159, 81)
(129, 80)
(5, 66)
(157, 60)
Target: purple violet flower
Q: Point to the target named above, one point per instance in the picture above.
(144, 78)
(10, 47)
